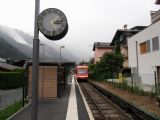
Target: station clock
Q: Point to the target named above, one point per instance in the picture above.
(52, 23)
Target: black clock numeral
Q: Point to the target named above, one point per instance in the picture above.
(52, 33)
(61, 14)
(63, 18)
(48, 33)
(55, 33)
(42, 28)
(43, 14)
(57, 12)
(40, 23)
(49, 11)
(63, 25)
(60, 30)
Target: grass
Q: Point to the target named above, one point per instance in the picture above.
(135, 89)
(10, 110)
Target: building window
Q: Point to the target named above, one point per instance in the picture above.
(121, 38)
(155, 43)
(143, 47)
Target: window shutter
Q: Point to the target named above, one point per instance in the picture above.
(155, 43)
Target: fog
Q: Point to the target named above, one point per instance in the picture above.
(89, 21)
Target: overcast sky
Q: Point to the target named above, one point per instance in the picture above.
(89, 20)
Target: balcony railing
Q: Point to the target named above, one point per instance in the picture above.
(155, 17)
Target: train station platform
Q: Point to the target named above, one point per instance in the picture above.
(70, 106)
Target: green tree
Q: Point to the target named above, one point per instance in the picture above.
(91, 67)
(99, 70)
(112, 62)
(109, 66)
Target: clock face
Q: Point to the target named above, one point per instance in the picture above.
(52, 23)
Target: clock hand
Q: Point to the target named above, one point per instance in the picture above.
(53, 25)
(58, 22)
(53, 22)
(55, 19)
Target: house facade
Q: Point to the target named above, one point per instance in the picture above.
(144, 54)
(120, 38)
(100, 48)
(124, 52)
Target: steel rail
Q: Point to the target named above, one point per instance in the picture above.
(137, 113)
(105, 101)
(84, 89)
(121, 112)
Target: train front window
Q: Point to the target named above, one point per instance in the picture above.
(82, 71)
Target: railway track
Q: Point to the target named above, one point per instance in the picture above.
(101, 107)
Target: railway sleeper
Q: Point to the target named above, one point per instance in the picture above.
(128, 107)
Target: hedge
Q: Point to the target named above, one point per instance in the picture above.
(10, 80)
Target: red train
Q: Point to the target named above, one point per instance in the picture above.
(82, 72)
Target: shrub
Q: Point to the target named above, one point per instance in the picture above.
(10, 80)
(19, 70)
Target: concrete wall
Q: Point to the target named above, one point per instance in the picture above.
(148, 61)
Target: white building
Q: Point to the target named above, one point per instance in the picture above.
(145, 58)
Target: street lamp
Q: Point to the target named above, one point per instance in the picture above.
(35, 64)
(60, 55)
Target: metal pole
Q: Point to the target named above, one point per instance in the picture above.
(60, 55)
(132, 81)
(23, 87)
(155, 80)
(60, 58)
(43, 68)
(137, 60)
(35, 65)
(59, 79)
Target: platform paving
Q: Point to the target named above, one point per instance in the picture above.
(57, 108)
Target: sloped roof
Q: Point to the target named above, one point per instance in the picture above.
(8, 66)
(138, 28)
(126, 33)
(50, 63)
(101, 45)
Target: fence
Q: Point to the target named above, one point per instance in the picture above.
(143, 81)
(145, 87)
(9, 97)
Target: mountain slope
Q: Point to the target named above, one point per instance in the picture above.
(16, 44)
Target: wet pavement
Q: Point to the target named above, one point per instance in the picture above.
(56, 109)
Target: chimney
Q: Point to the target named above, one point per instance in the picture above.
(157, 2)
(125, 26)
